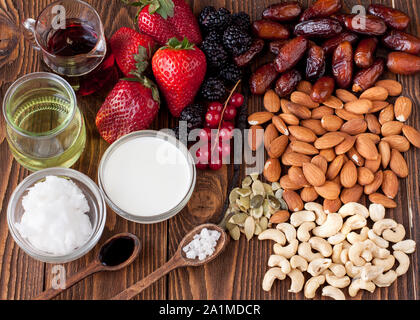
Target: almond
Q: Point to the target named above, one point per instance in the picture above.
(412, 135)
(331, 122)
(280, 125)
(364, 176)
(287, 184)
(258, 118)
(272, 170)
(313, 174)
(303, 147)
(298, 110)
(373, 165)
(277, 146)
(352, 194)
(398, 164)
(280, 216)
(372, 123)
(314, 125)
(331, 206)
(305, 87)
(374, 137)
(320, 162)
(334, 103)
(367, 148)
(303, 99)
(385, 152)
(393, 87)
(402, 108)
(354, 126)
(296, 176)
(270, 134)
(255, 137)
(397, 142)
(391, 128)
(308, 194)
(302, 134)
(335, 167)
(386, 115)
(346, 145)
(294, 159)
(329, 190)
(383, 200)
(271, 101)
(378, 106)
(390, 184)
(328, 141)
(289, 119)
(360, 106)
(347, 115)
(376, 183)
(328, 154)
(348, 175)
(345, 96)
(355, 157)
(375, 93)
(293, 200)
(321, 111)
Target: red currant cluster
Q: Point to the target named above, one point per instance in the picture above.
(210, 155)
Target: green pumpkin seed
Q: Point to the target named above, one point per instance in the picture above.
(249, 227)
(254, 176)
(258, 188)
(235, 233)
(243, 203)
(266, 206)
(239, 218)
(233, 196)
(263, 223)
(274, 202)
(283, 205)
(275, 186)
(268, 189)
(257, 201)
(257, 212)
(279, 194)
(244, 192)
(257, 230)
(246, 182)
(230, 225)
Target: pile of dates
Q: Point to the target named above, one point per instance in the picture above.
(331, 49)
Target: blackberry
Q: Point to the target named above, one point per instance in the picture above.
(193, 115)
(231, 73)
(236, 40)
(213, 89)
(215, 53)
(215, 20)
(242, 20)
(213, 36)
(204, 14)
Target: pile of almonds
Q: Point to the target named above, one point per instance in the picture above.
(339, 150)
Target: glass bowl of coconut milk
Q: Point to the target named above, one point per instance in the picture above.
(147, 176)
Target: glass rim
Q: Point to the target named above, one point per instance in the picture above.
(31, 77)
(161, 216)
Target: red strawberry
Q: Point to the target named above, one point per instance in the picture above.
(185, 22)
(131, 106)
(179, 69)
(132, 50)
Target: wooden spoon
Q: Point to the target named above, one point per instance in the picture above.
(178, 260)
(99, 264)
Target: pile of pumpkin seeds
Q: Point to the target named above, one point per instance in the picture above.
(251, 206)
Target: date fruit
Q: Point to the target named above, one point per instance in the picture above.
(282, 12)
(319, 28)
(315, 63)
(270, 30)
(366, 78)
(262, 78)
(401, 41)
(342, 64)
(287, 82)
(276, 45)
(290, 54)
(365, 52)
(368, 25)
(321, 9)
(394, 18)
(330, 44)
(322, 89)
(403, 63)
(245, 58)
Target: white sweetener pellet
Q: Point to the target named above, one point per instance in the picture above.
(55, 219)
(202, 245)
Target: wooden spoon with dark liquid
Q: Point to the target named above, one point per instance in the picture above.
(178, 260)
(116, 253)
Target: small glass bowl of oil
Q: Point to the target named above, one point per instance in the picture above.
(44, 126)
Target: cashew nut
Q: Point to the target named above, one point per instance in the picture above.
(279, 261)
(344, 255)
(305, 251)
(330, 227)
(297, 262)
(406, 246)
(352, 223)
(385, 279)
(321, 245)
(318, 210)
(354, 237)
(381, 225)
(355, 253)
(338, 269)
(337, 238)
(394, 235)
(358, 284)
(298, 280)
(288, 230)
(337, 281)
(386, 263)
(287, 251)
(271, 275)
(376, 211)
(370, 272)
(273, 234)
(367, 255)
(312, 285)
(377, 252)
(404, 262)
(317, 266)
(303, 231)
(352, 270)
(333, 292)
(380, 242)
(352, 208)
(299, 217)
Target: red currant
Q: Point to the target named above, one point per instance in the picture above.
(204, 134)
(216, 161)
(203, 154)
(225, 134)
(237, 100)
(213, 118)
(224, 149)
(230, 113)
(215, 106)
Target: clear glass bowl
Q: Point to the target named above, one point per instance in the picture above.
(162, 216)
(97, 213)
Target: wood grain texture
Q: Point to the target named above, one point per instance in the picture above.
(238, 272)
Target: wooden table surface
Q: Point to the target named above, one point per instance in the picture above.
(238, 272)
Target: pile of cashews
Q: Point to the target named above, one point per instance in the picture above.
(332, 251)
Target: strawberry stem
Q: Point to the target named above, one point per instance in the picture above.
(165, 8)
(176, 44)
(148, 84)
